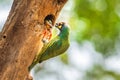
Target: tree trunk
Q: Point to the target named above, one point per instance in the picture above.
(20, 38)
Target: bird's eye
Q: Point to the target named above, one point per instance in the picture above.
(60, 23)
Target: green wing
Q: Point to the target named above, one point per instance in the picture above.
(52, 49)
(46, 51)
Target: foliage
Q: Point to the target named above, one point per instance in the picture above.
(97, 21)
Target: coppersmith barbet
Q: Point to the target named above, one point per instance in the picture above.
(54, 47)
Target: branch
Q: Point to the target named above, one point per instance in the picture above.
(21, 35)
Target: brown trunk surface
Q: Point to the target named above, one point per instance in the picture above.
(20, 38)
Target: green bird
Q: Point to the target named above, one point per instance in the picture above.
(55, 47)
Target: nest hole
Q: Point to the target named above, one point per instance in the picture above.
(50, 17)
(61, 1)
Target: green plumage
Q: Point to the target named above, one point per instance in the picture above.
(55, 47)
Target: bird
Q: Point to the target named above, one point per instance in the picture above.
(56, 46)
(47, 33)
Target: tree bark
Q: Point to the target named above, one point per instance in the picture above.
(21, 36)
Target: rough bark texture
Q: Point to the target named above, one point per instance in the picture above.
(20, 38)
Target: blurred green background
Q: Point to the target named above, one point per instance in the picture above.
(94, 53)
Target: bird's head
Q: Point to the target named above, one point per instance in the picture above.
(64, 29)
(48, 24)
(61, 25)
